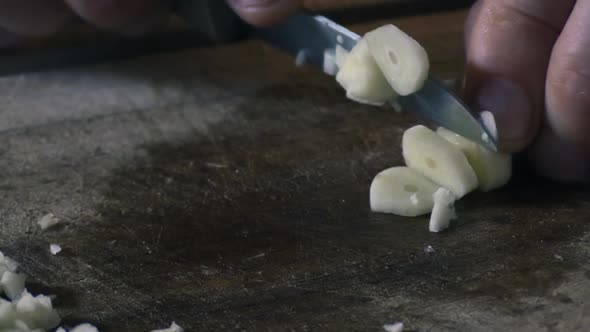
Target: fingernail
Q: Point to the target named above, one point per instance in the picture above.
(559, 160)
(510, 105)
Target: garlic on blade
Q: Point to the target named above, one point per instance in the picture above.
(362, 78)
(402, 60)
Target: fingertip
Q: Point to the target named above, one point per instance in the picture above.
(509, 44)
(265, 12)
(511, 105)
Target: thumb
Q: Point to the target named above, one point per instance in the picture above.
(264, 12)
(509, 44)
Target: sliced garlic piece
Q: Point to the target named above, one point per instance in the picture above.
(493, 169)
(403, 61)
(443, 211)
(402, 191)
(362, 79)
(437, 159)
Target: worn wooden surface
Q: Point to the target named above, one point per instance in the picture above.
(226, 189)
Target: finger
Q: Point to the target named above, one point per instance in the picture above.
(557, 159)
(129, 16)
(264, 12)
(509, 46)
(568, 80)
(33, 17)
(470, 21)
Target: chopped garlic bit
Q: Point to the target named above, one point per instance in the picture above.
(13, 284)
(47, 221)
(396, 327)
(54, 248)
(84, 328)
(7, 314)
(443, 211)
(22, 326)
(25, 313)
(173, 328)
(37, 311)
(7, 264)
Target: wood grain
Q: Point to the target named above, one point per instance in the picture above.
(226, 189)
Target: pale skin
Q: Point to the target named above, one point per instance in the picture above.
(528, 62)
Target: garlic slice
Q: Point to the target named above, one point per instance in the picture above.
(438, 160)
(362, 78)
(403, 61)
(402, 191)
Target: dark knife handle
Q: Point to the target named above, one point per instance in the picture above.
(214, 19)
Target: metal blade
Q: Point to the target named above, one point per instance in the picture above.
(313, 35)
(437, 104)
(309, 35)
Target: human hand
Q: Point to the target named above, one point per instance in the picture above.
(528, 61)
(20, 19)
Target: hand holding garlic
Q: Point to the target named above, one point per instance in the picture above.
(528, 64)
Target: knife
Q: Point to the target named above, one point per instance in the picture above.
(315, 37)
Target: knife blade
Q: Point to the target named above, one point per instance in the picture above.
(311, 36)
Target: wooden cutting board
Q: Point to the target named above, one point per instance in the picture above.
(226, 189)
